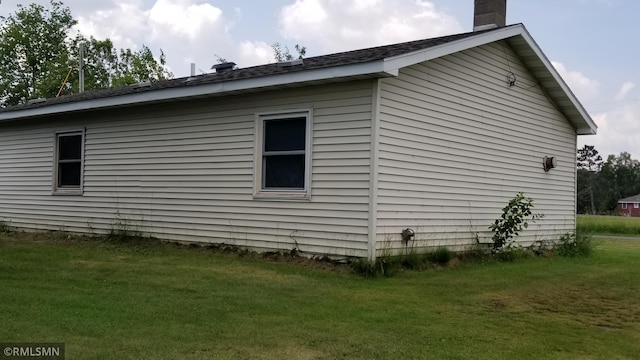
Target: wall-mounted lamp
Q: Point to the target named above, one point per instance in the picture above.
(408, 234)
(548, 163)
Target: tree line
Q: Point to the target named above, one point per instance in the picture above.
(39, 57)
(602, 183)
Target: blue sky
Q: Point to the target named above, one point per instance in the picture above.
(593, 43)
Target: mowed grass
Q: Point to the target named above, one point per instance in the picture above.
(608, 225)
(137, 301)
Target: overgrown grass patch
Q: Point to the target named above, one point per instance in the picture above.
(4, 227)
(608, 225)
(156, 301)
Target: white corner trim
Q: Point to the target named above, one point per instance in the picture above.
(373, 170)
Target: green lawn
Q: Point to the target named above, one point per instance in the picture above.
(108, 301)
(608, 225)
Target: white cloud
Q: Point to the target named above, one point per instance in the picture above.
(119, 23)
(618, 130)
(255, 52)
(183, 17)
(584, 88)
(624, 90)
(618, 126)
(337, 25)
(186, 30)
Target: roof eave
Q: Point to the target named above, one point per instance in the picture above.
(552, 83)
(517, 36)
(332, 74)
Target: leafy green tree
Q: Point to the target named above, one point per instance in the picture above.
(281, 53)
(589, 158)
(619, 178)
(133, 67)
(602, 183)
(36, 54)
(589, 162)
(33, 52)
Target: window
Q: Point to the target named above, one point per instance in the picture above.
(68, 162)
(283, 154)
(624, 205)
(635, 205)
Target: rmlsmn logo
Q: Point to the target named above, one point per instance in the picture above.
(17, 351)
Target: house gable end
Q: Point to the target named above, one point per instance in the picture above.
(529, 53)
(457, 143)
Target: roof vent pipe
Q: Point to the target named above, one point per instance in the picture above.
(489, 14)
(223, 67)
(193, 69)
(81, 67)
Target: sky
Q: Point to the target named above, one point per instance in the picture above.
(594, 44)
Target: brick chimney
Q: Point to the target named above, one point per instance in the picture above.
(489, 14)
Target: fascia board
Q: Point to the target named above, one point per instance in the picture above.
(593, 128)
(396, 62)
(374, 68)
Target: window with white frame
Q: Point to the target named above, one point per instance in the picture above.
(636, 205)
(283, 154)
(624, 205)
(69, 154)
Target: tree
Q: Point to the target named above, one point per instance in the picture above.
(282, 54)
(602, 184)
(589, 159)
(36, 54)
(589, 162)
(133, 67)
(33, 54)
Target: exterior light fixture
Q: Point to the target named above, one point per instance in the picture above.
(407, 235)
(548, 163)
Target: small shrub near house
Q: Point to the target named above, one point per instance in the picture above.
(575, 245)
(516, 217)
(441, 256)
(4, 227)
(389, 265)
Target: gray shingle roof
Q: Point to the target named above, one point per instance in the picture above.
(311, 63)
(630, 199)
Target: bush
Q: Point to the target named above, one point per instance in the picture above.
(413, 261)
(515, 217)
(512, 254)
(572, 245)
(441, 256)
(4, 227)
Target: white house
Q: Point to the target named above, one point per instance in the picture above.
(334, 155)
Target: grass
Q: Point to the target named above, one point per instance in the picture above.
(608, 225)
(141, 300)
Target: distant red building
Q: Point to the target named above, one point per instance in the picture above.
(629, 206)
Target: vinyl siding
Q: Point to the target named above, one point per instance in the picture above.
(184, 171)
(457, 143)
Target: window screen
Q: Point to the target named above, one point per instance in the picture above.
(69, 161)
(283, 153)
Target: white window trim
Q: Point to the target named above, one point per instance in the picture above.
(624, 205)
(283, 194)
(636, 205)
(67, 191)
